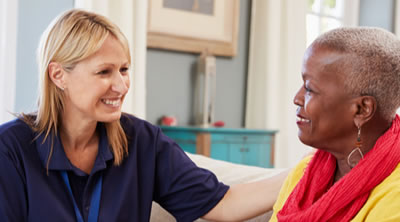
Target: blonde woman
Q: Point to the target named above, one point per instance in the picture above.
(80, 159)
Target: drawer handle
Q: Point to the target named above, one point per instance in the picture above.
(244, 149)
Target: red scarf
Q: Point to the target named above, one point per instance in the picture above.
(314, 199)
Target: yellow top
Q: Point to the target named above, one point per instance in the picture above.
(382, 205)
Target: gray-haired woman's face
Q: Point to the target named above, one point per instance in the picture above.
(324, 116)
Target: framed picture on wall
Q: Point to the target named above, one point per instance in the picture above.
(194, 26)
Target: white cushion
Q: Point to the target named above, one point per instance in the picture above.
(228, 173)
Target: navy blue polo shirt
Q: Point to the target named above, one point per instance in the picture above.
(155, 169)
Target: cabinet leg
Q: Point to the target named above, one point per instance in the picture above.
(272, 160)
(203, 144)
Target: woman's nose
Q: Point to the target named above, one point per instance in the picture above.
(120, 83)
(298, 98)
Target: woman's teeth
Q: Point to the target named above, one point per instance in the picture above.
(111, 102)
(299, 119)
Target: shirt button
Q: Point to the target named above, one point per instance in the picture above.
(87, 208)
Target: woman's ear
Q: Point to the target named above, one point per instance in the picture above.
(56, 74)
(366, 108)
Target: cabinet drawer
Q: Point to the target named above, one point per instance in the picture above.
(250, 154)
(182, 137)
(243, 146)
(239, 138)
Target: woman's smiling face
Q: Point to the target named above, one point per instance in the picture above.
(325, 114)
(96, 87)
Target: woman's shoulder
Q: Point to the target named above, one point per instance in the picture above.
(391, 183)
(383, 201)
(290, 182)
(138, 128)
(16, 127)
(298, 170)
(15, 132)
(146, 134)
(294, 176)
(130, 122)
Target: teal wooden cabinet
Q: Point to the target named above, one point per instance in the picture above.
(244, 146)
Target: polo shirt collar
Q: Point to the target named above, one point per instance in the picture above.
(59, 160)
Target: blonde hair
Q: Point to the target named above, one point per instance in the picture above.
(69, 39)
(374, 63)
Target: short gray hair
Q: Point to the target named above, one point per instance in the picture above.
(374, 63)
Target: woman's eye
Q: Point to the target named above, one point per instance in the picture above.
(124, 70)
(103, 72)
(307, 89)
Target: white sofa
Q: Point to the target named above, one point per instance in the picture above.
(230, 174)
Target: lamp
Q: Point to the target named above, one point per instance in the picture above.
(205, 89)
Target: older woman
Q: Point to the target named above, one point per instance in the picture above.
(347, 110)
(79, 159)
